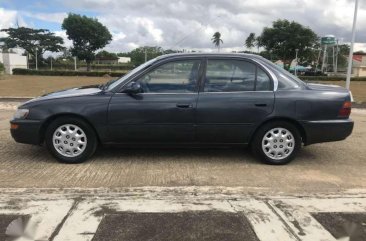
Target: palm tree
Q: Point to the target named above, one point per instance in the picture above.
(216, 40)
(252, 41)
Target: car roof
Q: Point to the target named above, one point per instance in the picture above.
(209, 55)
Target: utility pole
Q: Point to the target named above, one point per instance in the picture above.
(145, 55)
(350, 57)
(51, 63)
(75, 67)
(36, 59)
(324, 57)
(336, 59)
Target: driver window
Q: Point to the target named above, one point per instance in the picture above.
(172, 77)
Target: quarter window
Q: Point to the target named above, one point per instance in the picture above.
(172, 77)
(263, 82)
(235, 76)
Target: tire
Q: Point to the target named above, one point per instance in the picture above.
(276, 143)
(70, 140)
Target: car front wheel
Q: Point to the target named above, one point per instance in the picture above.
(277, 142)
(70, 140)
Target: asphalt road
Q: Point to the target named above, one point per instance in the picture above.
(318, 168)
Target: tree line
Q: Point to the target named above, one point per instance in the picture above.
(280, 41)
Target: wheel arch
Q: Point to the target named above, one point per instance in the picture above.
(50, 119)
(286, 119)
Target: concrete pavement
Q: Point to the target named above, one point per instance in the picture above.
(321, 167)
(183, 213)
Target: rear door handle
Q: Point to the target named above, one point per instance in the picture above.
(180, 105)
(261, 104)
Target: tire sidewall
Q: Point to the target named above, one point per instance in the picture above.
(89, 132)
(257, 142)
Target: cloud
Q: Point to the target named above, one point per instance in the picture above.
(48, 17)
(190, 24)
(8, 19)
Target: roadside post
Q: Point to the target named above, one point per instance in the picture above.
(350, 57)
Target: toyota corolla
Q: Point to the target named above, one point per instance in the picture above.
(189, 100)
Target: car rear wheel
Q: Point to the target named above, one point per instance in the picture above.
(276, 142)
(70, 140)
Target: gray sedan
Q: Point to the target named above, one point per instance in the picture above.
(189, 100)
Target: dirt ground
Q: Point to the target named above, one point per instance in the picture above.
(31, 86)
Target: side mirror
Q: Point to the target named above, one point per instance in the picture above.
(133, 88)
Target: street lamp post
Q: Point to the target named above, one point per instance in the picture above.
(36, 59)
(75, 67)
(297, 51)
(350, 57)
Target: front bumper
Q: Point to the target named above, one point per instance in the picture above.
(27, 131)
(327, 130)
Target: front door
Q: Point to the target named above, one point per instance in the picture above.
(237, 95)
(164, 111)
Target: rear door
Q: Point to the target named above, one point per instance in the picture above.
(235, 96)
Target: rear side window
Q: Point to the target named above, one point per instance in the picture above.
(235, 76)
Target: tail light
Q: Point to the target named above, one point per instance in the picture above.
(345, 111)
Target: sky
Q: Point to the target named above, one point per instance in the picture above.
(188, 24)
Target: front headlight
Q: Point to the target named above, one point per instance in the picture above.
(21, 113)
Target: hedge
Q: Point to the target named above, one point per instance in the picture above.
(67, 73)
(330, 78)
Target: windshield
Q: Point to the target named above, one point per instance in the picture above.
(129, 74)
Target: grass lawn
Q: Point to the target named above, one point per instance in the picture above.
(358, 88)
(30, 86)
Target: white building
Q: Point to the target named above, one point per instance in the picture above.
(359, 65)
(124, 60)
(12, 61)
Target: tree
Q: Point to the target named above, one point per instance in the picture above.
(106, 55)
(138, 55)
(87, 35)
(343, 52)
(252, 41)
(216, 40)
(32, 40)
(284, 37)
(2, 67)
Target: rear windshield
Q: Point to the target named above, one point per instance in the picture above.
(286, 80)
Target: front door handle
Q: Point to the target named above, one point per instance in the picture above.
(260, 104)
(181, 105)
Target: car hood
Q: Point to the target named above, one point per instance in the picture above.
(80, 91)
(324, 87)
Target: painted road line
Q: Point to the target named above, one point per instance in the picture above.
(266, 224)
(45, 216)
(301, 222)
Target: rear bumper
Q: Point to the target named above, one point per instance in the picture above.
(327, 130)
(28, 131)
